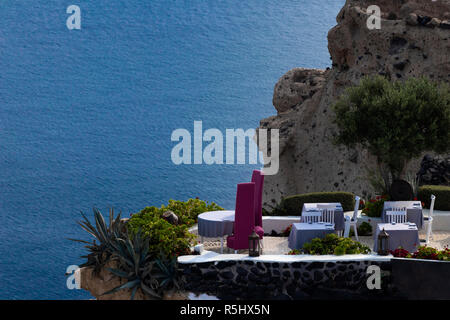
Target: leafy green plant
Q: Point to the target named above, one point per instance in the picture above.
(105, 238)
(332, 244)
(167, 272)
(171, 240)
(364, 229)
(162, 236)
(135, 267)
(188, 211)
(395, 121)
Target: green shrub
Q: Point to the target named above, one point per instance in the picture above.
(292, 205)
(188, 211)
(364, 229)
(163, 236)
(442, 194)
(332, 244)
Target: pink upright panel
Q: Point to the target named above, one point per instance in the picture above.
(258, 179)
(244, 220)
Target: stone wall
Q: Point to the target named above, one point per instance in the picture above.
(248, 280)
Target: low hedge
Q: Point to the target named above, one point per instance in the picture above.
(442, 194)
(292, 205)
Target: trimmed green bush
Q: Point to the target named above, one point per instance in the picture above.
(442, 194)
(292, 205)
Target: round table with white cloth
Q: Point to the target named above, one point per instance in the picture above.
(215, 224)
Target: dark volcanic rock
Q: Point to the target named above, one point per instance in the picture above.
(434, 171)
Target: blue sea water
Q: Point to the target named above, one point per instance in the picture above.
(86, 115)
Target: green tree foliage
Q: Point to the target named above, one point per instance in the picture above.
(395, 121)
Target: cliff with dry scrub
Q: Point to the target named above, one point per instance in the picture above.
(413, 41)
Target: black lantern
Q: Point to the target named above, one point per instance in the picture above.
(383, 243)
(253, 245)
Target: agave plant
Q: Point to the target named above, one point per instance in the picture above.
(135, 267)
(167, 272)
(106, 234)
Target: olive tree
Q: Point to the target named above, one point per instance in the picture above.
(395, 121)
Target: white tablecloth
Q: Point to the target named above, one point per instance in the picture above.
(400, 235)
(215, 224)
(305, 232)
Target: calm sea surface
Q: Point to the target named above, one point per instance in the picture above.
(86, 115)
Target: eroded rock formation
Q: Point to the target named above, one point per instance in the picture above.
(414, 40)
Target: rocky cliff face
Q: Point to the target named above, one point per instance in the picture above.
(414, 40)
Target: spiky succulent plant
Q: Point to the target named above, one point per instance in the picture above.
(135, 267)
(167, 272)
(105, 239)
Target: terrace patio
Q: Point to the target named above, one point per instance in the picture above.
(279, 245)
(277, 275)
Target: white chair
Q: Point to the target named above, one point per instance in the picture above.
(397, 215)
(328, 216)
(429, 220)
(327, 212)
(349, 222)
(311, 216)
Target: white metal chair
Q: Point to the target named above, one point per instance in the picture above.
(429, 220)
(312, 216)
(397, 215)
(351, 222)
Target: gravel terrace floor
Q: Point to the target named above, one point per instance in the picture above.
(279, 245)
